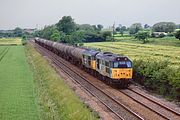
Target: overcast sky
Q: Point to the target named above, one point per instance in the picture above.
(33, 13)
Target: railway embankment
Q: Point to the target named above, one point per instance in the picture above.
(55, 99)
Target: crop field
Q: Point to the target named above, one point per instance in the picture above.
(141, 51)
(166, 41)
(10, 41)
(17, 98)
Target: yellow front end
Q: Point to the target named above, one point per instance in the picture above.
(93, 64)
(122, 73)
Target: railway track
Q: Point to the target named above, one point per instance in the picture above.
(156, 107)
(120, 110)
(153, 105)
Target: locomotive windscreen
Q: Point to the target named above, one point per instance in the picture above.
(122, 64)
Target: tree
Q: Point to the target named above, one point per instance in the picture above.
(177, 34)
(106, 34)
(142, 35)
(118, 29)
(92, 37)
(100, 27)
(62, 36)
(85, 27)
(135, 28)
(66, 24)
(55, 36)
(95, 27)
(121, 29)
(178, 26)
(164, 27)
(18, 32)
(146, 26)
(48, 31)
(76, 37)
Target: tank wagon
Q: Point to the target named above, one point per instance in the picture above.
(113, 69)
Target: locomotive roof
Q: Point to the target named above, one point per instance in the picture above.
(108, 56)
(90, 52)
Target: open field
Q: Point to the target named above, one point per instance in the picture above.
(141, 51)
(166, 41)
(17, 97)
(10, 41)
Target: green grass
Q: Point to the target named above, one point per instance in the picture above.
(56, 99)
(17, 96)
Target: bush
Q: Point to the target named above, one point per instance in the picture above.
(93, 37)
(170, 34)
(24, 40)
(177, 34)
(161, 35)
(156, 75)
(106, 34)
(142, 35)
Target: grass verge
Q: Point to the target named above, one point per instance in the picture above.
(56, 99)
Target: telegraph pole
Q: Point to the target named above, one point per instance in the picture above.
(113, 27)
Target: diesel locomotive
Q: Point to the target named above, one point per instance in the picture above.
(113, 69)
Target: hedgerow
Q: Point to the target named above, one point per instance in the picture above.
(158, 76)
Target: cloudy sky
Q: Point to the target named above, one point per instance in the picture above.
(37, 13)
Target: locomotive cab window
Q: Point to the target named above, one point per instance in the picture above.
(129, 64)
(122, 64)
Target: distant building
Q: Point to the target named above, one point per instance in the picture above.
(29, 30)
(158, 34)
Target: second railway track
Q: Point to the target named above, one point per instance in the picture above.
(157, 107)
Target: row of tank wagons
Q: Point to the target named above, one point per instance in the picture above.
(71, 52)
(109, 67)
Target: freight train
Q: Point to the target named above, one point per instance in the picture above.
(115, 70)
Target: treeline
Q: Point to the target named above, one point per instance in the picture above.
(158, 30)
(67, 31)
(17, 32)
